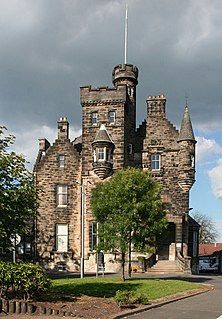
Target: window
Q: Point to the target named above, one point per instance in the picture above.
(94, 118)
(62, 237)
(195, 241)
(112, 116)
(108, 154)
(130, 148)
(28, 248)
(94, 235)
(62, 195)
(101, 154)
(192, 161)
(61, 160)
(155, 161)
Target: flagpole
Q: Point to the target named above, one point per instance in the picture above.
(126, 34)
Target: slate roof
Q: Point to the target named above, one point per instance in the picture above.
(102, 135)
(186, 130)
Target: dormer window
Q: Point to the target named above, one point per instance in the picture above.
(94, 118)
(155, 162)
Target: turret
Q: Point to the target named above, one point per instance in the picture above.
(126, 74)
(103, 153)
(186, 143)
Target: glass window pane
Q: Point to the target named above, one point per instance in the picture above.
(62, 237)
(155, 161)
(112, 117)
(101, 154)
(61, 160)
(62, 195)
(94, 118)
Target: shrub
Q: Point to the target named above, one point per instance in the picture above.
(125, 297)
(122, 297)
(28, 280)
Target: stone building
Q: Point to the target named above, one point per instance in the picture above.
(67, 170)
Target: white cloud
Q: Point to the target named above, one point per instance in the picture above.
(216, 180)
(207, 149)
(218, 226)
(26, 142)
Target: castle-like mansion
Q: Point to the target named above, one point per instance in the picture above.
(67, 170)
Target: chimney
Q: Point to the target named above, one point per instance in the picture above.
(63, 128)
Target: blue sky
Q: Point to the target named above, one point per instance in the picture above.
(49, 48)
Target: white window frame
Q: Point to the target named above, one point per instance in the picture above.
(112, 117)
(61, 160)
(62, 232)
(94, 118)
(61, 194)
(101, 154)
(155, 162)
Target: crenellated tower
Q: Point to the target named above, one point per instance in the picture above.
(116, 109)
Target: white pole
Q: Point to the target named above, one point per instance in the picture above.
(82, 231)
(126, 34)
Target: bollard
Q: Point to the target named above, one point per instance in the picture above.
(23, 307)
(30, 308)
(11, 306)
(43, 310)
(6, 306)
(0, 305)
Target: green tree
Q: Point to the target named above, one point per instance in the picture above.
(207, 232)
(129, 211)
(17, 191)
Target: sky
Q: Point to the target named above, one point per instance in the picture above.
(49, 48)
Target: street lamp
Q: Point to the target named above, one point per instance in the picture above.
(82, 229)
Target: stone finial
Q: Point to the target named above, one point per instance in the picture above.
(186, 130)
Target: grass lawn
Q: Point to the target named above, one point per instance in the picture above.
(107, 287)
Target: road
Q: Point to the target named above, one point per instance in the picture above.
(203, 306)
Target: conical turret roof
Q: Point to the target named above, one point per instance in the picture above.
(186, 130)
(103, 135)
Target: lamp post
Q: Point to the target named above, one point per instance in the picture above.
(82, 229)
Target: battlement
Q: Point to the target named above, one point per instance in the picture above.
(104, 95)
(156, 98)
(156, 104)
(125, 72)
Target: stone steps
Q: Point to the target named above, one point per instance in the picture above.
(166, 267)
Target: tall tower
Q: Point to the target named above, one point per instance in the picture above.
(116, 109)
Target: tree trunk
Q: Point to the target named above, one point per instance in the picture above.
(129, 269)
(123, 265)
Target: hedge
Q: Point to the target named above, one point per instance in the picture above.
(21, 279)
